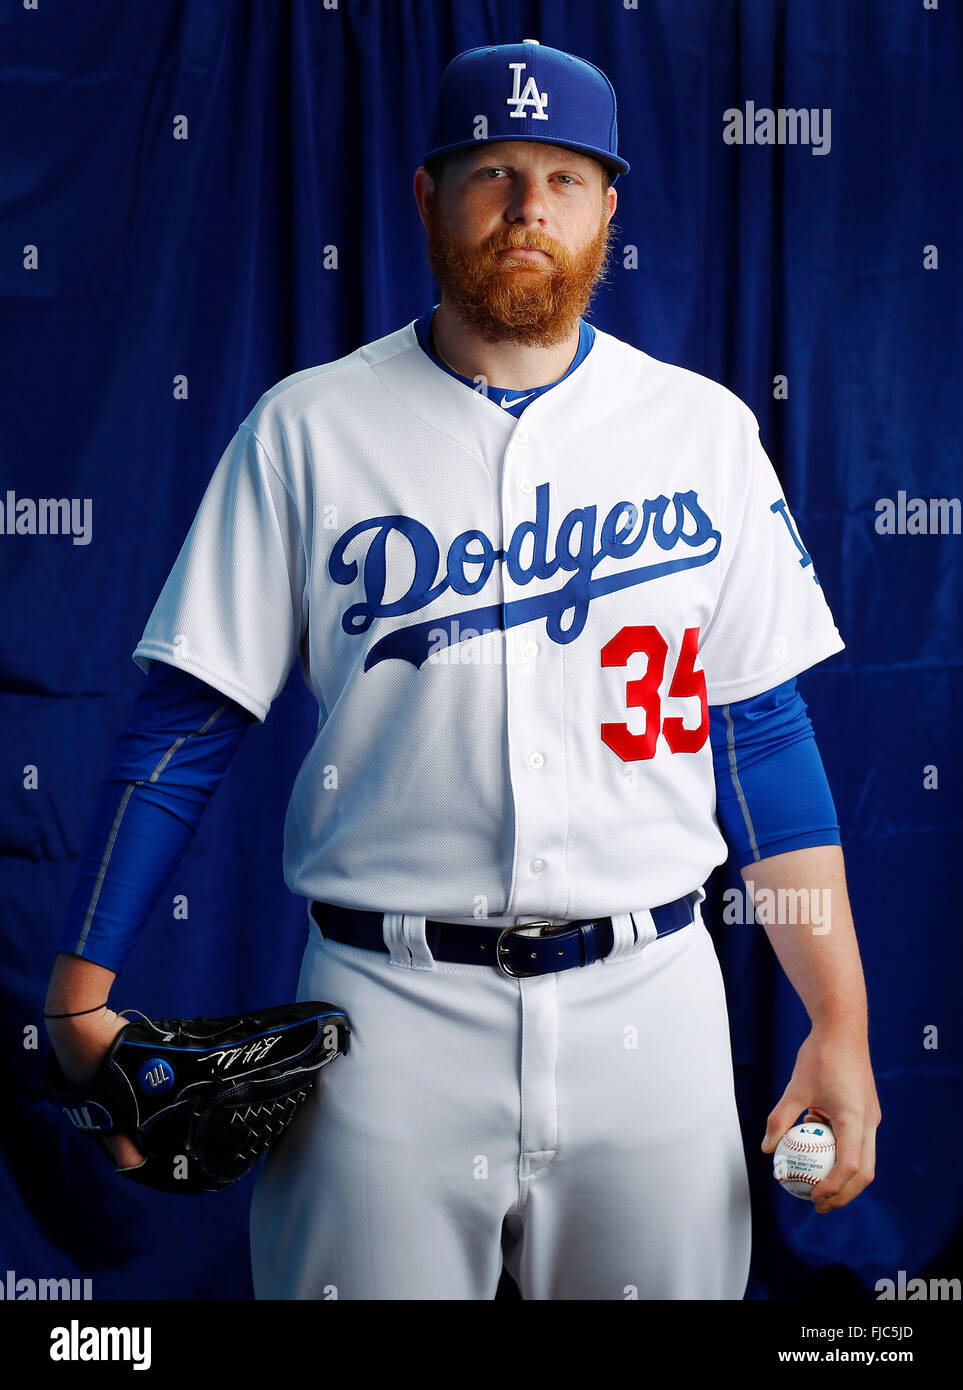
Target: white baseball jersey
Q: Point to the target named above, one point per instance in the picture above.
(512, 626)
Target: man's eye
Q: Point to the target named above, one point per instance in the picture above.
(492, 171)
(567, 176)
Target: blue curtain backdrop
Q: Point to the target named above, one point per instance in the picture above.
(282, 233)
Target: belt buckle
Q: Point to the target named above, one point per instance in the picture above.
(501, 950)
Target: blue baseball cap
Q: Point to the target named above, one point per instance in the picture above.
(526, 91)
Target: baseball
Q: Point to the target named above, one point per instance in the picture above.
(803, 1156)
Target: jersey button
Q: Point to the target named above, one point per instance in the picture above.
(526, 485)
(536, 760)
(521, 435)
(537, 865)
(530, 650)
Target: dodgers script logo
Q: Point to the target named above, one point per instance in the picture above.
(669, 524)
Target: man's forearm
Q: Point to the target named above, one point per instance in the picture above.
(76, 984)
(79, 987)
(822, 965)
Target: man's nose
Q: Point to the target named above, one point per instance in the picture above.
(527, 203)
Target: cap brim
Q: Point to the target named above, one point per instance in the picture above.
(611, 161)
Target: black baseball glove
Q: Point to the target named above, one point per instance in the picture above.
(202, 1098)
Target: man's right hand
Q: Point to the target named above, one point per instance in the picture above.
(80, 1045)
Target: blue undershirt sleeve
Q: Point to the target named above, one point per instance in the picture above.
(164, 771)
(772, 794)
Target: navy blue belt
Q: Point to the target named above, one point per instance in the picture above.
(554, 948)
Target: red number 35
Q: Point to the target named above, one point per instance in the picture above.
(686, 681)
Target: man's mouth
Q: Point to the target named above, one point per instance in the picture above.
(523, 253)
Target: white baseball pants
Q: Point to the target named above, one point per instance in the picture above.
(581, 1126)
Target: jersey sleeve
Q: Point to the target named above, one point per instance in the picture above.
(233, 610)
(165, 769)
(771, 619)
(772, 794)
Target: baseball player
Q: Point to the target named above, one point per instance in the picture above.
(551, 601)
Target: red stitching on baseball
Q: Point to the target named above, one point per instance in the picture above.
(804, 1147)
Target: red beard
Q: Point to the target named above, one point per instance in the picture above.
(538, 304)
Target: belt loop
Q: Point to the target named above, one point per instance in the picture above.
(624, 934)
(589, 944)
(404, 936)
(393, 932)
(417, 941)
(645, 927)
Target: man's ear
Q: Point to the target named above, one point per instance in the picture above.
(424, 189)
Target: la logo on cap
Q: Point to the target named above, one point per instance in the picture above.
(530, 97)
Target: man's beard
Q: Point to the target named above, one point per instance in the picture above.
(538, 304)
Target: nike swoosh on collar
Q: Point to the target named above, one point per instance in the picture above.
(505, 404)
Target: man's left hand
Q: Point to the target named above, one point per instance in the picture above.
(833, 1077)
